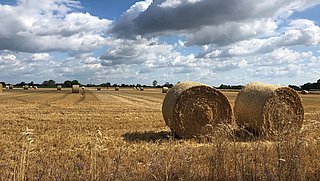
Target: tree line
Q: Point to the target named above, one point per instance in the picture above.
(69, 83)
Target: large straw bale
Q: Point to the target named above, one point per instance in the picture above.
(192, 109)
(75, 88)
(269, 110)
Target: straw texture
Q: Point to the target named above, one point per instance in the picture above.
(190, 108)
(269, 110)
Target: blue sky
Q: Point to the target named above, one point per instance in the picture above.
(131, 42)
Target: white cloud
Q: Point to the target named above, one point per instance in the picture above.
(48, 25)
(40, 56)
(300, 32)
(207, 21)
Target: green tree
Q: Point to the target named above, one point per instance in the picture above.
(51, 83)
(75, 82)
(67, 83)
(155, 83)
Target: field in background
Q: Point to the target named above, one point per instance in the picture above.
(47, 134)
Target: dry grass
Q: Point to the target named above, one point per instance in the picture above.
(122, 136)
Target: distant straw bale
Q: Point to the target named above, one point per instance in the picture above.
(11, 86)
(59, 87)
(26, 87)
(141, 89)
(165, 89)
(269, 110)
(99, 88)
(75, 88)
(116, 88)
(304, 92)
(190, 108)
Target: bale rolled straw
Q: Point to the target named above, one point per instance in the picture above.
(269, 110)
(99, 88)
(190, 108)
(59, 87)
(10, 86)
(116, 88)
(141, 89)
(26, 87)
(165, 89)
(75, 88)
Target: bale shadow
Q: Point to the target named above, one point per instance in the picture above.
(149, 136)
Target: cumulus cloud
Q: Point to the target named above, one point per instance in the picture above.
(49, 25)
(40, 56)
(300, 32)
(206, 21)
(139, 51)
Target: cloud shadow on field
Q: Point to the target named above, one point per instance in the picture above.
(149, 136)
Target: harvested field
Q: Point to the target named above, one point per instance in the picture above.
(121, 135)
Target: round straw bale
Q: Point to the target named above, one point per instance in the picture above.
(269, 110)
(141, 89)
(304, 92)
(116, 88)
(75, 88)
(83, 87)
(59, 87)
(190, 108)
(7, 87)
(26, 87)
(165, 89)
(99, 88)
(10, 86)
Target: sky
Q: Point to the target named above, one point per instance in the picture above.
(136, 42)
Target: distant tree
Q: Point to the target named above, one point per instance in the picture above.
(167, 84)
(67, 83)
(318, 82)
(115, 85)
(138, 85)
(45, 83)
(75, 82)
(154, 83)
(51, 83)
(295, 87)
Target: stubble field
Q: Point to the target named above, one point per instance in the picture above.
(47, 134)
